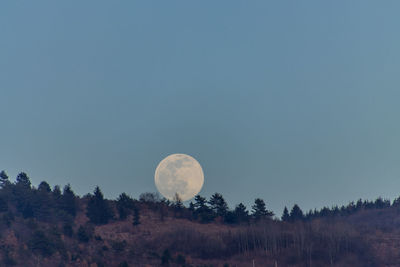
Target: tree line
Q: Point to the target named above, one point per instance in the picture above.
(43, 202)
(295, 235)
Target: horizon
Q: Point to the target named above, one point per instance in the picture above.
(231, 206)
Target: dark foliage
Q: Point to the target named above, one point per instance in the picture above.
(125, 204)
(166, 258)
(285, 215)
(296, 214)
(241, 213)
(202, 211)
(218, 205)
(136, 216)
(41, 243)
(98, 209)
(260, 211)
(83, 234)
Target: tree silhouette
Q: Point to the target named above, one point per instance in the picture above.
(296, 213)
(68, 201)
(4, 181)
(44, 187)
(56, 192)
(285, 215)
(98, 209)
(124, 204)
(202, 212)
(218, 204)
(260, 211)
(23, 180)
(241, 213)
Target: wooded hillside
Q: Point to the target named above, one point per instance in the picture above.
(45, 226)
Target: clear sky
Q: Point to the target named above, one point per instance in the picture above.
(290, 101)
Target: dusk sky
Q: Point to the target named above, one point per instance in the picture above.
(290, 101)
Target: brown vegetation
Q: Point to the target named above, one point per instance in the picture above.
(44, 227)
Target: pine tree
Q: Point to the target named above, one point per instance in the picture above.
(44, 187)
(260, 211)
(56, 192)
(4, 181)
(98, 209)
(285, 215)
(218, 204)
(296, 213)
(200, 202)
(124, 204)
(23, 195)
(23, 180)
(41, 202)
(241, 213)
(68, 201)
(203, 212)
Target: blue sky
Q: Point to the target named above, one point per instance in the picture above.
(290, 101)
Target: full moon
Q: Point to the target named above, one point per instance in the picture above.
(179, 174)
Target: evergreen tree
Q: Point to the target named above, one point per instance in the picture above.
(4, 181)
(98, 209)
(218, 204)
(285, 215)
(200, 202)
(260, 211)
(23, 180)
(296, 213)
(381, 203)
(68, 201)
(56, 192)
(44, 187)
(124, 204)
(23, 195)
(203, 212)
(230, 217)
(396, 202)
(241, 213)
(41, 202)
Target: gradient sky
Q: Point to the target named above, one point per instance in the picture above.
(290, 101)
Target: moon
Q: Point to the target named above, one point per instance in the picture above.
(179, 174)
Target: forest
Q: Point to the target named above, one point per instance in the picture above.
(52, 226)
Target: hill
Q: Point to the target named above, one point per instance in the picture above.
(47, 226)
